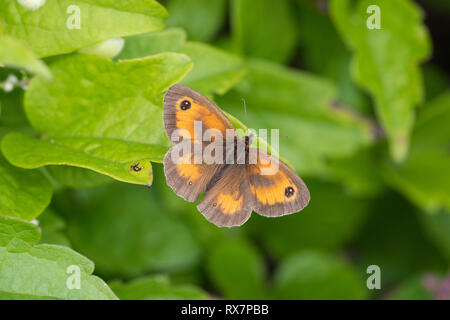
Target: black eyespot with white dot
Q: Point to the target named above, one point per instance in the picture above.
(185, 105)
(190, 183)
(289, 192)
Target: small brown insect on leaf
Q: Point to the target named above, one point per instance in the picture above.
(135, 167)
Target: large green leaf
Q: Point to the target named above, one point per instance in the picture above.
(76, 177)
(202, 19)
(46, 30)
(31, 271)
(23, 193)
(386, 61)
(215, 71)
(100, 115)
(424, 177)
(112, 157)
(155, 288)
(303, 107)
(314, 275)
(264, 29)
(150, 43)
(237, 269)
(127, 231)
(15, 54)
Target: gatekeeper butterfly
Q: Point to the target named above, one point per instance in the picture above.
(233, 189)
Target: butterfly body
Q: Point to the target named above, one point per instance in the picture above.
(240, 180)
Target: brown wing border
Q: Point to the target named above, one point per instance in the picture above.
(173, 95)
(279, 208)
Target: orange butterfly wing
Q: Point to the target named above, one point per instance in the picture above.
(276, 192)
(183, 106)
(228, 200)
(232, 191)
(269, 187)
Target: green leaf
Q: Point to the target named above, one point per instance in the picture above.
(313, 275)
(16, 55)
(202, 19)
(118, 93)
(237, 270)
(112, 157)
(46, 31)
(75, 177)
(264, 29)
(32, 271)
(386, 61)
(424, 177)
(52, 227)
(215, 71)
(99, 115)
(302, 106)
(155, 288)
(305, 230)
(23, 193)
(147, 44)
(126, 230)
(108, 49)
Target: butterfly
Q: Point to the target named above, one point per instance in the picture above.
(232, 191)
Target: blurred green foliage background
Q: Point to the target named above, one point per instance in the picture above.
(367, 113)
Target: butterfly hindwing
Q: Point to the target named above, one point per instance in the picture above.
(227, 202)
(279, 193)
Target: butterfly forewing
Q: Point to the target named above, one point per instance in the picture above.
(183, 106)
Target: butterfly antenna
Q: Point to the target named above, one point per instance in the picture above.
(245, 113)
